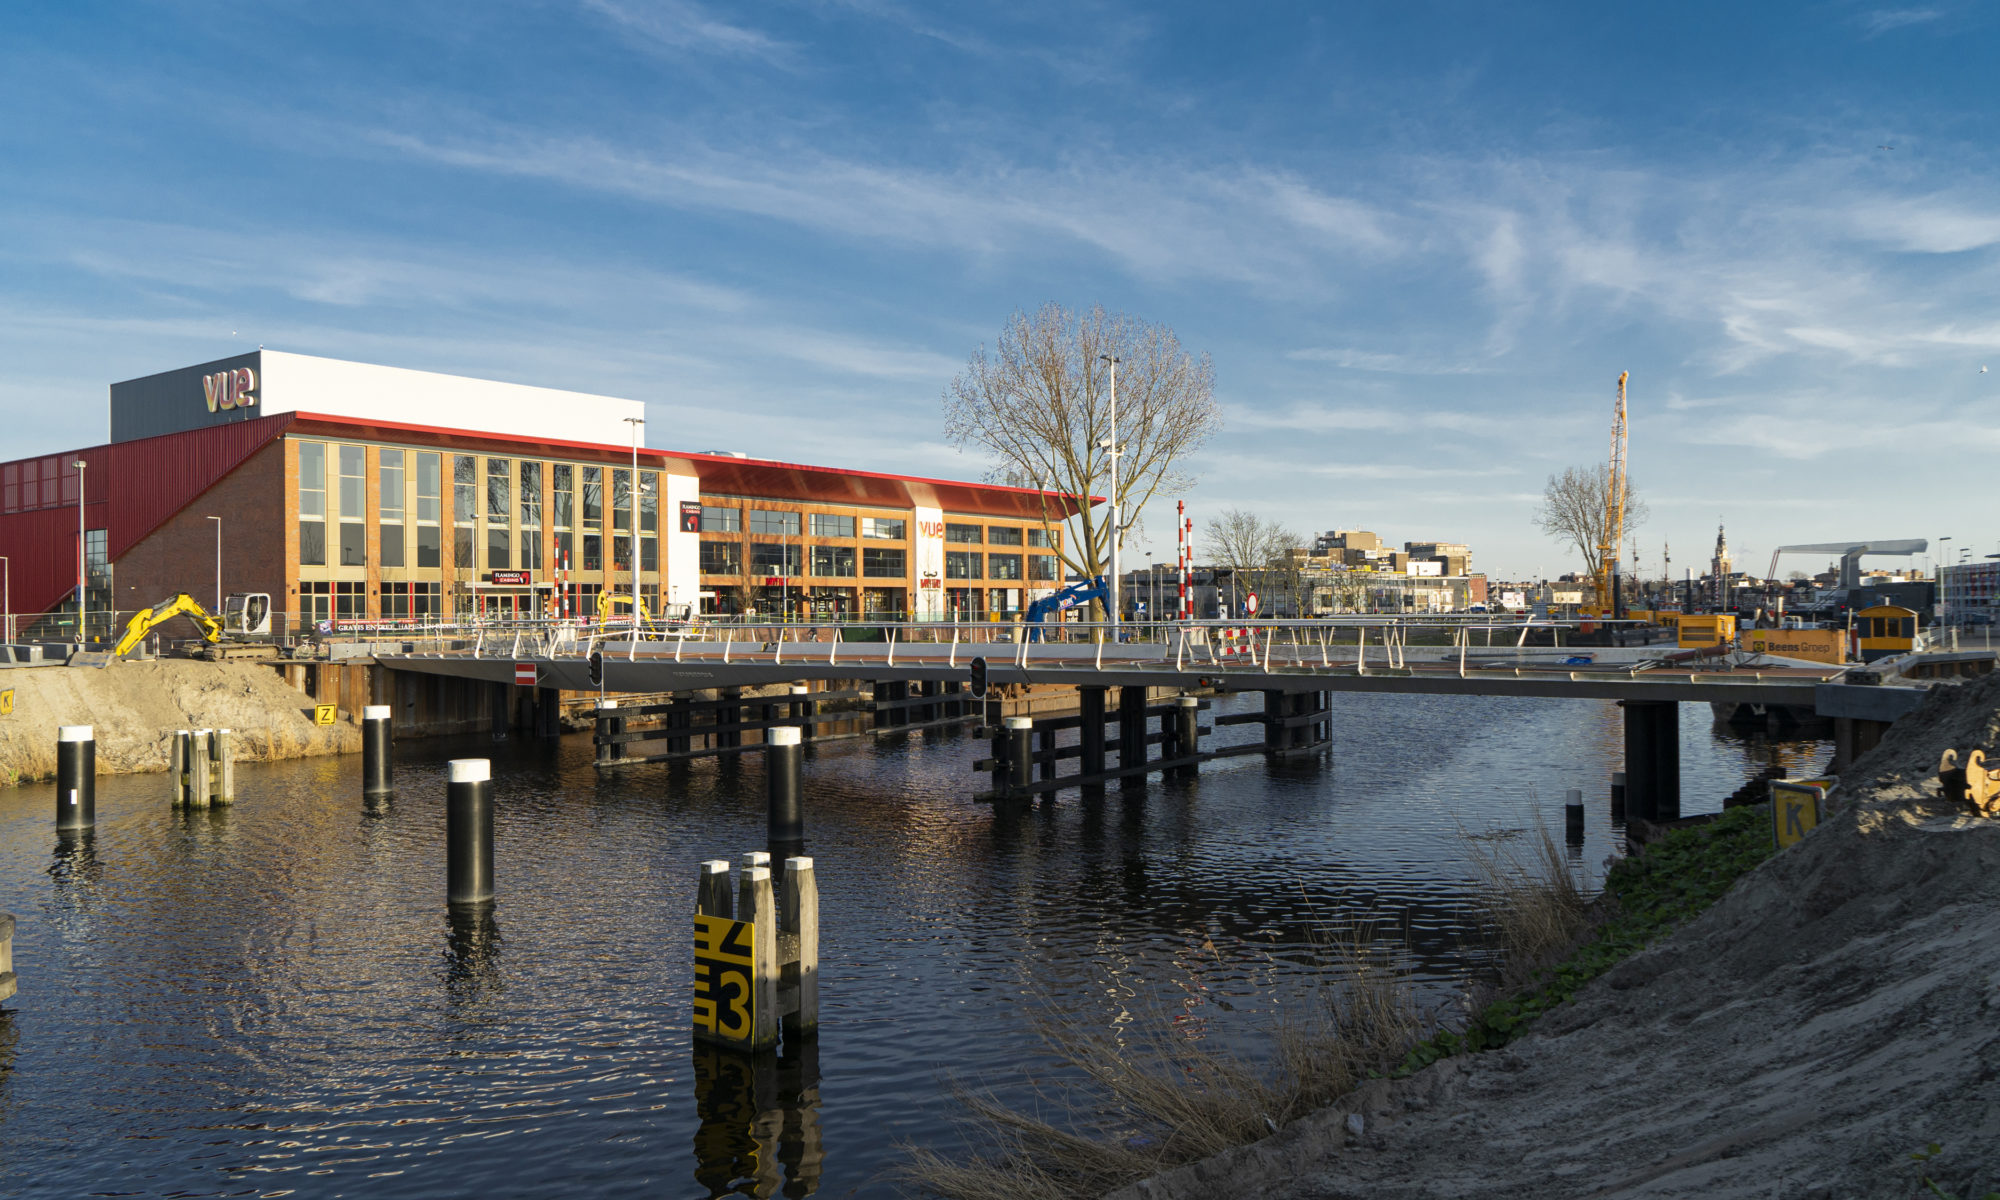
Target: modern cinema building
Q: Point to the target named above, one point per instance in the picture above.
(356, 492)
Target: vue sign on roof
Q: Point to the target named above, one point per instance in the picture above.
(230, 389)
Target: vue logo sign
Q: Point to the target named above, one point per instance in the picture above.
(230, 389)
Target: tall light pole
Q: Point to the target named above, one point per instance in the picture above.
(218, 565)
(1110, 444)
(82, 596)
(635, 422)
(7, 594)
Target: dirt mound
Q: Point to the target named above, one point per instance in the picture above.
(132, 706)
(1837, 1011)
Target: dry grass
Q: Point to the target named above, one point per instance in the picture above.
(1168, 1099)
(1532, 900)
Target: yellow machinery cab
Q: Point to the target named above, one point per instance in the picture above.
(1701, 631)
(1884, 631)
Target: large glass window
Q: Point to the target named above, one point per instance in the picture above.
(833, 562)
(770, 521)
(884, 564)
(961, 564)
(562, 495)
(565, 551)
(1003, 566)
(312, 504)
(389, 485)
(464, 489)
(427, 547)
(832, 525)
(961, 533)
(649, 502)
(429, 484)
(593, 552)
(1003, 535)
(531, 495)
(774, 558)
(593, 497)
(353, 544)
(96, 567)
(621, 499)
(461, 547)
(887, 528)
(649, 554)
(350, 601)
(1041, 566)
(499, 548)
(722, 558)
(716, 519)
(353, 475)
(1038, 537)
(621, 551)
(499, 497)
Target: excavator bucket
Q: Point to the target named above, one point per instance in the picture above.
(1982, 785)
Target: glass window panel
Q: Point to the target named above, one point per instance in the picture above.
(888, 528)
(649, 554)
(353, 544)
(621, 551)
(1041, 566)
(427, 547)
(499, 548)
(392, 544)
(389, 486)
(833, 562)
(565, 551)
(593, 552)
(960, 564)
(881, 564)
(721, 558)
(649, 502)
(499, 493)
(465, 490)
(461, 547)
(531, 494)
(621, 499)
(312, 481)
(961, 533)
(430, 508)
(1003, 566)
(1003, 535)
(531, 550)
(312, 543)
(1038, 537)
(774, 558)
(352, 461)
(593, 497)
(721, 520)
(832, 525)
(562, 495)
(772, 522)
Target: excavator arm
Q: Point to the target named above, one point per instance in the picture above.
(146, 620)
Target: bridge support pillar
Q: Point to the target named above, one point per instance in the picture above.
(729, 713)
(1090, 733)
(1132, 733)
(679, 717)
(1652, 760)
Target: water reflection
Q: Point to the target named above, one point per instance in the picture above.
(471, 971)
(759, 1132)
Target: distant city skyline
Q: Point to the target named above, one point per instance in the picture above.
(1419, 241)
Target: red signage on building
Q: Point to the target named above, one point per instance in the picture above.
(690, 516)
(524, 674)
(511, 578)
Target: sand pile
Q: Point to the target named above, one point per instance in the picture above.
(132, 706)
(1838, 1010)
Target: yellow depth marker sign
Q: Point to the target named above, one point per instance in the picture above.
(725, 1003)
(1794, 810)
(323, 713)
(7, 703)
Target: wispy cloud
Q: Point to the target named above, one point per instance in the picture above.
(1882, 20)
(679, 26)
(1351, 359)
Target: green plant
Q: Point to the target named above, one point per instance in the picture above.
(1646, 897)
(1929, 1152)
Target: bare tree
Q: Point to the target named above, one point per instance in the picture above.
(1574, 510)
(1040, 404)
(1250, 548)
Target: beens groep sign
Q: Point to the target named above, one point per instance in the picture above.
(230, 389)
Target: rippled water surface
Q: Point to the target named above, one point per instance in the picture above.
(271, 999)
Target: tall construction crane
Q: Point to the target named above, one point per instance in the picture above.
(1614, 511)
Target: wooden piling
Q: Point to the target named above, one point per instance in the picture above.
(711, 895)
(758, 904)
(800, 970)
(224, 753)
(8, 986)
(199, 779)
(177, 765)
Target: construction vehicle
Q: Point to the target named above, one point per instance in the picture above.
(246, 616)
(1083, 591)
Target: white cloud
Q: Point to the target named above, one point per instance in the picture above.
(676, 25)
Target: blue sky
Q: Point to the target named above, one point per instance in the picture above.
(1420, 241)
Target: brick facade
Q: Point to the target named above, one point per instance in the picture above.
(179, 556)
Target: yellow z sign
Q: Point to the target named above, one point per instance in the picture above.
(725, 1002)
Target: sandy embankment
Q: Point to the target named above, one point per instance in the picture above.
(134, 705)
(1836, 1011)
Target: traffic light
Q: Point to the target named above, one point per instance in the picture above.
(596, 668)
(979, 678)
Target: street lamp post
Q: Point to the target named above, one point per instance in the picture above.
(7, 594)
(1110, 445)
(82, 596)
(218, 565)
(635, 422)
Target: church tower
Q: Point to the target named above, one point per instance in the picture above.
(1718, 567)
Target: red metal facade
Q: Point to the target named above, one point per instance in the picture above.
(130, 489)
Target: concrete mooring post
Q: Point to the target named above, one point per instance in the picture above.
(76, 777)
(375, 762)
(783, 759)
(1187, 733)
(469, 832)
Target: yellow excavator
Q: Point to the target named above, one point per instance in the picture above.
(609, 602)
(246, 615)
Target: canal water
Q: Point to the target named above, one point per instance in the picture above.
(271, 1000)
